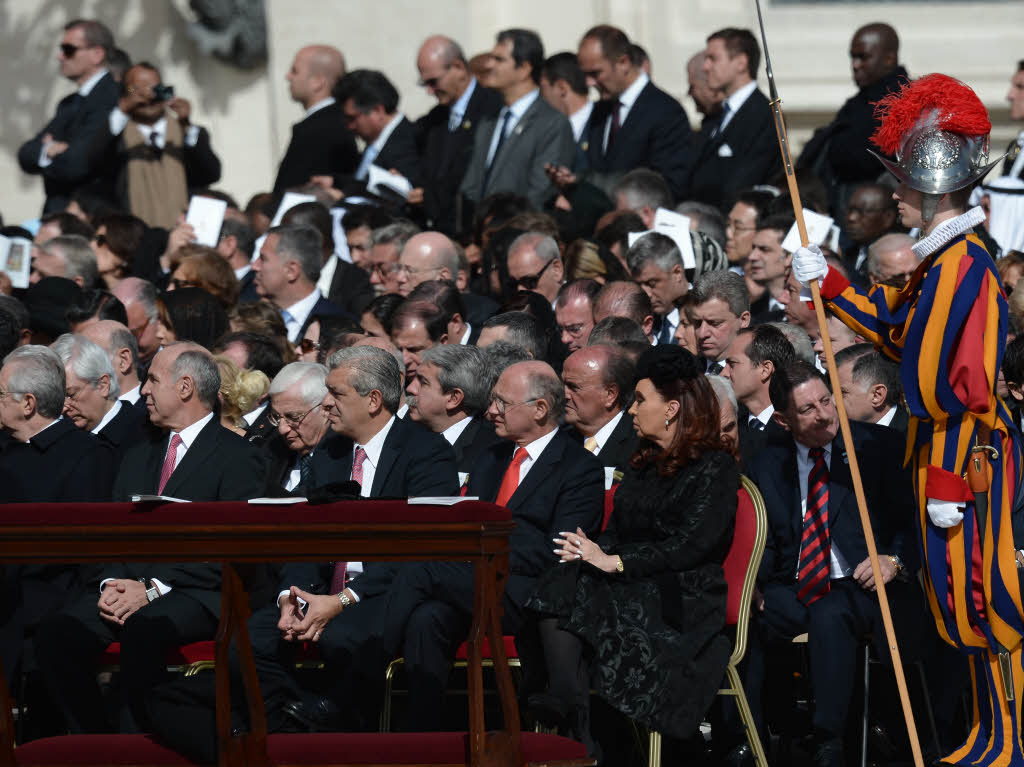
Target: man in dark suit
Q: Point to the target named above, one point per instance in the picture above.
(320, 144)
(92, 394)
(448, 394)
(870, 215)
(599, 384)
(295, 412)
(656, 265)
(332, 603)
(446, 132)
(465, 313)
(741, 149)
(512, 150)
(43, 458)
(342, 283)
(871, 387)
(549, 483)
(150, 155)
(563, 86)
(286, 273)
(60, 151)
(151, 607)
(753, 356)
(636, 124)
(815, 576)
(369, 105)
(235, 244)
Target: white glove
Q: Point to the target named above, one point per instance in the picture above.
(945, 513)
(809, 264)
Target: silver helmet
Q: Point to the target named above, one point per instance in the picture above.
(937, 161)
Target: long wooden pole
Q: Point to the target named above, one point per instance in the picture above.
(844, 422)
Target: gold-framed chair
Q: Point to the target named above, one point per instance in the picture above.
(741, 564)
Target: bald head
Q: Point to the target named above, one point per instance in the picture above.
(443, 69)
(314, 72)
(182, 387)
(874, 53)
(891, 260)
(426, 256)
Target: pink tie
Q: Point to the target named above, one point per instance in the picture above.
(357, 465)
(169, 462)
(341, 568)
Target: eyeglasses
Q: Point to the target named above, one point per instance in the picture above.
(294, 421)
(69, 50)
(8, 393)
(385, 268)
(572, 330)
(431, 82)
(72, 394)
(411, 271)
(529, 281)
(307, 345)
(503, 407)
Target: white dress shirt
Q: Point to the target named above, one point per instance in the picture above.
(108, 417)
(886, 419)
(838, 568)
(457, 111)
(297, 314)
(132, 395)
(188, 436)
(118, 121)
(579, 119)
(403, 411)
(464, 341)
(735, 101)
(453, 432)
(765, 416)
(605, 432)
(518, 109)
(242, 271)
(533, 450)
(318, 106)
(626, 100)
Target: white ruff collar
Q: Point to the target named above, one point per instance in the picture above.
(946, 231)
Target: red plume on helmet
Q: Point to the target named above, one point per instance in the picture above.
(958, 110)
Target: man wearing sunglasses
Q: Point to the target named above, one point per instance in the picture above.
(534, 263)
(59, 152)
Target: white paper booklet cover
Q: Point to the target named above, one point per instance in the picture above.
(16, 259)
(818, 230)
(205, 215)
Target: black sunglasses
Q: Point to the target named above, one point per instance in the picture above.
(70, 50)
(528, 281)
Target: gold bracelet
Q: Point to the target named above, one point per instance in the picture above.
(618, 565)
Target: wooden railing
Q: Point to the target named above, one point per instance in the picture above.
(239, 532)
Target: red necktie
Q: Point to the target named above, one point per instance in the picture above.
(169, 462)
(510, 481)
(815, 543)
(341, 568)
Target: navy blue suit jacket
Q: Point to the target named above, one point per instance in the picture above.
(887, 488)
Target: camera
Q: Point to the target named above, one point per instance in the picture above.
(163, 92)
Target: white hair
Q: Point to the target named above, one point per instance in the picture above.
(87, 360)
(309, 377)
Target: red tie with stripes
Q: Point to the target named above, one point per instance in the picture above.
(815, 544)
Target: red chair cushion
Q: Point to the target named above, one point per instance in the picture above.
(70, 750)
(178, 656)
(738, 558)
(433, 748)
(485, 649)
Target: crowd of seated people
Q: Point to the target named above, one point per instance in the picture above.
(518, 328)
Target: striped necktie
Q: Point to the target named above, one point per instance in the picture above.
(815, 543)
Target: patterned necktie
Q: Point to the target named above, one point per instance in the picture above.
(357, 465)
(510, 481)
(305, 470)
(815, 543)
(755, 423)
(716, 368)
(169, 461)
(590, 443)
(338, 577)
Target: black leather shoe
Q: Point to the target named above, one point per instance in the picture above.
(829, 753)
(315, 713)
(741, 756)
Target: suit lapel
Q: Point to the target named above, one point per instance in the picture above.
(514, 137)
(203, 446)
(788, 483)
(544, 466)
(840, 482)
(388, 455)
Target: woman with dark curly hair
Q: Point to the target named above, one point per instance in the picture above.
(639, 613)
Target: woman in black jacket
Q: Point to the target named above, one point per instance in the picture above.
(639, 613)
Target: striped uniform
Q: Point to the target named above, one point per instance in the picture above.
(947, 330)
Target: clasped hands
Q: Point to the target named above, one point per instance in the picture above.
(297, 625)
(572, 546)
(120, 598)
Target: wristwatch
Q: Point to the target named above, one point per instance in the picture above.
(344, 599)
(152, 592)
(897, 563)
